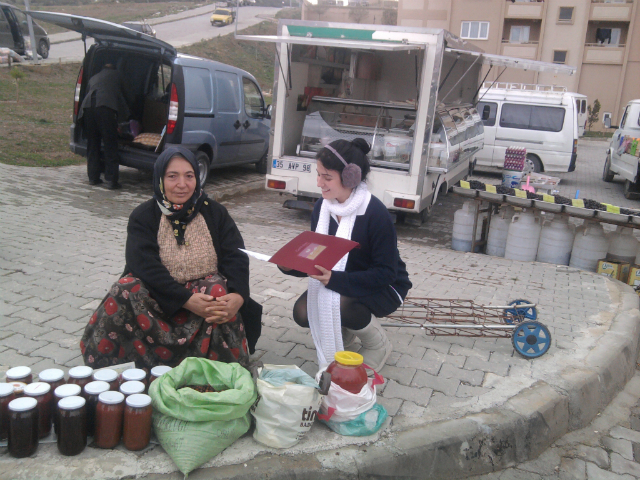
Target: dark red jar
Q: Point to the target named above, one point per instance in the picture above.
(6, 396)
(63, 391)
(134, 375)
(80, 375)
(109, 419)
(348, 372)
(72, 436)
(53, 376)
(158, 371)
(19, 374)
(41, 391)
(91, 392)
(107, 375)
(137, 422)
(23, 427)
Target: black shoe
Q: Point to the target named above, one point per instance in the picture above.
(114, 186)
(95, 182)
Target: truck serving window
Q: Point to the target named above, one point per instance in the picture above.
(532, 117)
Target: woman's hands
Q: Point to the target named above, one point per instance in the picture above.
(215, 310)
(325, 277)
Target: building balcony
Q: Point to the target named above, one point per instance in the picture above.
(610, 12)
(532, 10)
(528, 50)
(603, 54)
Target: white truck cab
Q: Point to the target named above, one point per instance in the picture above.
(624, 151)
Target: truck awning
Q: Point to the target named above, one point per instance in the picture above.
(513, 62)
(333, 42)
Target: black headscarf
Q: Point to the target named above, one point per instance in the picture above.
(179, 215)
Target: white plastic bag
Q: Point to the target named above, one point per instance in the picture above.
(284, 414)
(340, 405)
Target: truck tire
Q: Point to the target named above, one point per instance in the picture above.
(204, 162)
(43, 49)
(607, 174)
(261, 165)
(532, 164)
(631, 190)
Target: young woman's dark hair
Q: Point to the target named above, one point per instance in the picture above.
(353, 152)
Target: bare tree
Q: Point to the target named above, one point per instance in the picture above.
(390, 16)
(358, 13)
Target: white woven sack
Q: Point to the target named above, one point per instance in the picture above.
(284, 414)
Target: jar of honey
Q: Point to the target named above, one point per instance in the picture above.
(66, 390)
(132, 388)
(134, 375)
(80, 375)
(137, 422)
(158, 371)
(109, 418)
(53, 376)
(19, 374)
(91, 392)
(41, 391)
(6, 396)
(107, 375)
(348, 372)
(72, 436)
(23, 427)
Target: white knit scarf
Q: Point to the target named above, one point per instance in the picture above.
(323, 305)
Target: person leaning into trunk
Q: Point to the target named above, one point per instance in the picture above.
(104, 102)
(370, 281)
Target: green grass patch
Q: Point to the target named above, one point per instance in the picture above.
(595, 134)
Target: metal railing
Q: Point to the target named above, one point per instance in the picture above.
(506, 40)
(524, 86)
(606, 45)
(609, 1)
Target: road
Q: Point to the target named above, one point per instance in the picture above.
(178, 33)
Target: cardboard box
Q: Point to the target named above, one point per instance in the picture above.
(634, 278)
(614, 269)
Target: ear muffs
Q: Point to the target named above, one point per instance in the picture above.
(351, 176)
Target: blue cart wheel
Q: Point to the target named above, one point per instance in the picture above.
(519, 314)
(531, 339)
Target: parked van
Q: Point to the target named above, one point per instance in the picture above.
(14, 31)
(623, 153)
(215, 110)
(541, 118)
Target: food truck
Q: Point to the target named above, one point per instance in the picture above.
(410, 92)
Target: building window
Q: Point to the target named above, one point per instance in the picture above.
(475, 30)
(559, 56)
(519, 34)
(566, 14)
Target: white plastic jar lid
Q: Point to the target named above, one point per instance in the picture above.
(18, 387)
(36, 389)
(51, 375)
(96, 388)
(71, 403)
(105, 375)
(67, 390)
(160, 370)
(129, 388)
(16, 373)
(138, 400)
(134, 374)
(80, 372)
(22, 404)
(111, 398)
(6, 389)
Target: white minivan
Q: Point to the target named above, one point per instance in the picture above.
(543, 119)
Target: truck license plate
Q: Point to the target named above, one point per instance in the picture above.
(293, 166)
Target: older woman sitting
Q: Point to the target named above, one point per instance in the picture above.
(185, 289)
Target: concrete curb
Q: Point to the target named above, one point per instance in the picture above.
(497, 438)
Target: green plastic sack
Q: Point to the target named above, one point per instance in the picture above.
(193, 427)
(367, 423)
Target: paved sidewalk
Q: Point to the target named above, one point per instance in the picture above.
(458, 406)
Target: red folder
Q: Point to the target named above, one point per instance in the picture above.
(309, 249)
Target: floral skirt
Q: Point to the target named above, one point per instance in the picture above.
(129, 326)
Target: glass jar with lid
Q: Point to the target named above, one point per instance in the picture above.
(18, 388)
(137, 421)
(80, 375)
(72, 436)
(157, 371)
(66, 390)
(91, 392)
(107, 375)
(19, 374)
(54, 377)
(41, 391)
(23, 427)
(6, 396)
(134, 374)
(131, 388)
(109, 418)
(348, 372)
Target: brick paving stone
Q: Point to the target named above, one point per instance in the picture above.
(625, 433)
(44, 364)
(391, 405)
(472, 377)
(441, 400)
(300, 351)
(447, 386)
(416, 352)
(298, 336)
(22, 344)
(620, 446)
(70, 313)
(7, 309)
(474, 363)
(596, 473)
(621, 465)
(33, 315)
(275, 359)
(68, 326)
(11, 358)
(470, 391)
(56, 353)
(400, 375)
(279, 348)
(480, 353)
(419, 396)
(28, 329)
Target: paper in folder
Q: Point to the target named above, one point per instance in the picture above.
(309, 249)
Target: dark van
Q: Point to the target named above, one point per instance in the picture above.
(14, 30)
(215, 110)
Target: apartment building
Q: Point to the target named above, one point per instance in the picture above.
(601, 38)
